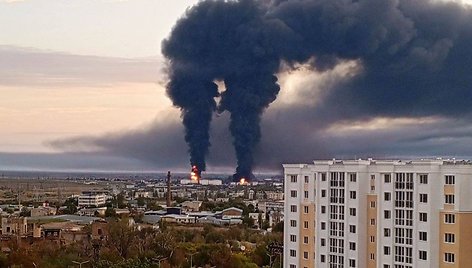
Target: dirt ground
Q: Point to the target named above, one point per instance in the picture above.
(40, 190)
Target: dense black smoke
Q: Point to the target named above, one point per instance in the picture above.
(225, 41)
(414, 59)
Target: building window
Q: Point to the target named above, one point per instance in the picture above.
(323, 193)
(305, 239)
(293, 208)
(305, 224)
(305, 255)
(423, 255)
(450, 180)
(372, 221)
(305, 209)
(423, 217)
(306, 194)
(449, 218)
(449, 238)
(323, 209)
(372, 204)
(386, 266)
(323, 242)
(372, 256)
(449, 257)
(352, 245)
(323, 225)
(323, 258)
(352, 211)
(293, 266)
(307, 180)
(293, 253)
(423, 179)
(387, 178)
(352, 177)
(323, 176)
(352, 263)
(293, 238)
(293, 178)
(423, 236)
(293, 223)
(293, 193)
(352, 229)
(387, 196)
(387, 251)
(352, 194)
(423, 198)
(372, 239)
(449, 199)
(387, 214)
(387, 232)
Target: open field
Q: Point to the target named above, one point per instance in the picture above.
(40, 189)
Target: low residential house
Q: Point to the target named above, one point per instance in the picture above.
(160, 191)
(255, 216)
(99, 230)
(14, 226)
(91, 212)
(43, 211)
(122, 212)
(275, 217)
(144, 194)
(191, 206)
(65, 232)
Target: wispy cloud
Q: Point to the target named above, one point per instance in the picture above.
(32, 67)
(11, 1)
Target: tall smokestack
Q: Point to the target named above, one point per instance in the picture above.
(169, 194)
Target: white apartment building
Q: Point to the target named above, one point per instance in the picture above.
(92, 199)
(378, 213)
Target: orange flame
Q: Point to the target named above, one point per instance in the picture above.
(194, 174)
(242, 181)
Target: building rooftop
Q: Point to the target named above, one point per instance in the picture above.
(398, 162)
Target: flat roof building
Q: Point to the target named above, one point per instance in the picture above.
(92, 199)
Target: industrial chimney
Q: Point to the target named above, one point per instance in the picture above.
(169, 195)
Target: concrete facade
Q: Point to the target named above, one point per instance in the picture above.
(378, 213)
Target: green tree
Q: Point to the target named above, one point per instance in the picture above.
(141, 201)
(120, 200)
(71, 206)
(25, 212)
(248, 221)
(279, 227)
(110, 212)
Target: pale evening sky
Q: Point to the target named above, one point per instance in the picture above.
(33, 111)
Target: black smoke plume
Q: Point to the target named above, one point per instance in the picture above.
(414, 59)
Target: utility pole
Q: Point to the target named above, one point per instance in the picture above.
(191, 259)
(159, 259)
(80, 263)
